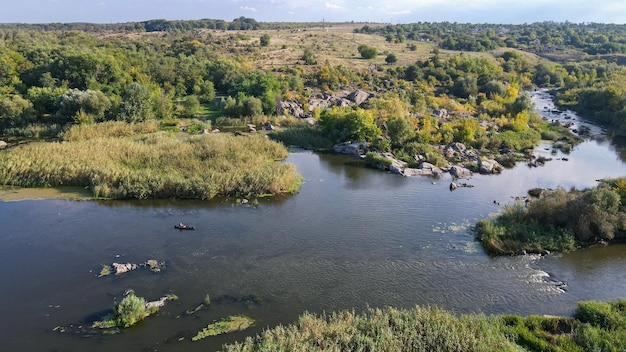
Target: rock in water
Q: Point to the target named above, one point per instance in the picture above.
(123, 268)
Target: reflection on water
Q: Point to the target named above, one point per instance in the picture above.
(351, 238)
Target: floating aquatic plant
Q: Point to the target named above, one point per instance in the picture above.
(224, 326)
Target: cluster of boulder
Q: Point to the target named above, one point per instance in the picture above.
(452, 151)
(122, 268)
(323, 100)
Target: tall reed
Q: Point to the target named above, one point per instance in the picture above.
(157, 165)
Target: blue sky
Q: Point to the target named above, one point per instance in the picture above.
(394, 11)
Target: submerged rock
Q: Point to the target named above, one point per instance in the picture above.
(455, 185)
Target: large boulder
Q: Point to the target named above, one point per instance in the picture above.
(453, 149)
(350, 148)
(489, 166)
(359, 97)
(291, 108)
(342, 102)
(459, 171)
(441, 113)
(396, 166)
(121, 268)
(429, 169)
(3, 144)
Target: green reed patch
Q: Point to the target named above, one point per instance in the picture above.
(224, 326)
(596, 326)
(156, 165)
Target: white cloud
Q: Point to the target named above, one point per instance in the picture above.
(248, 8)
(399, 12)
(333, 6)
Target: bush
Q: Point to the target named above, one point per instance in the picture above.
(265, 40)
(375, 160)
(391, 58)
(130, 310)
(608, 316)
(367, 52)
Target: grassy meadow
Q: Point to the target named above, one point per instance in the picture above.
(153, 165)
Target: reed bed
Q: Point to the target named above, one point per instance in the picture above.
(418, 329)
(157, 165)
(109, 129)
(596, 326)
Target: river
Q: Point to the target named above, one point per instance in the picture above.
(351, 238)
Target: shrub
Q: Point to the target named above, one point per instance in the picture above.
(367, 52)
(265, 40)
(608, 316)
(130, 310)
(391, 58)
(374, 159)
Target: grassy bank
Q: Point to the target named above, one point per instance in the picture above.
(596, 326)
(557, 221)
(155, 165)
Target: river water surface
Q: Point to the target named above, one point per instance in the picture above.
(351, 238)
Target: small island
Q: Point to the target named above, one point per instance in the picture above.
(557, 220)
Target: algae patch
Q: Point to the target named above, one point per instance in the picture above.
(225, 326)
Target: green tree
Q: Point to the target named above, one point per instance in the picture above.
(44, 99)
(16, 111)
(189, 107)
(391, 58)
(137, 105)
(90, 102)
(308, 57)
(367, 52)
(346, 124)
(265, 40)
(399, 130)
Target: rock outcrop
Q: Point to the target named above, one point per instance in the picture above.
(323, 100)
(489, 166)
(454, 149)
(291, 108)
(359, 97)
(121, 268)
(459, 171)
(351, 148)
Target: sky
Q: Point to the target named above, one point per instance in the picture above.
(386, 11)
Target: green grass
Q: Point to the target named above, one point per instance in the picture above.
(155, 165)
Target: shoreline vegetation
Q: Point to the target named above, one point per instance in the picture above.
(595, 326)
(557, 220)
(153, 165)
